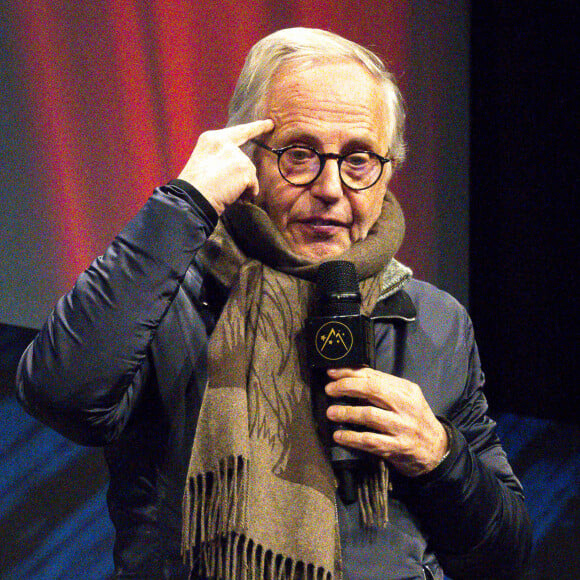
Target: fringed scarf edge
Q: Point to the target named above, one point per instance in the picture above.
(214, 523)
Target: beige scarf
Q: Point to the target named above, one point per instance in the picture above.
(259, 502)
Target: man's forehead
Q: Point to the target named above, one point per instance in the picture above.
(317, 75)
(336, 93)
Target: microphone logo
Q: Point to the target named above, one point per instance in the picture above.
(333, 340)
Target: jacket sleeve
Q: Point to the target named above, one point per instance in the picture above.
(83, 373)
(472, 505)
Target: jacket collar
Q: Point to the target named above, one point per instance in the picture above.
(397, 306)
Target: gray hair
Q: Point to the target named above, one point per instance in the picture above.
(304, 46)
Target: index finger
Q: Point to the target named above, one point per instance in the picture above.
(240, 134)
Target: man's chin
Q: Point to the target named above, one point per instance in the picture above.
(319, 250)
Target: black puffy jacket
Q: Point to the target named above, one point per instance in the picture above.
(121, 363)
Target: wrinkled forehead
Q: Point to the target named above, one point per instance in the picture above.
(333, 90)
(341, 65)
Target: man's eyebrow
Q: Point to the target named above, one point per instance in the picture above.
(301, 138)
(360, 144)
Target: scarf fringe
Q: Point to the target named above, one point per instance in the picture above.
(212, 504)
(211, 517)
(372, 495)
(235, 557)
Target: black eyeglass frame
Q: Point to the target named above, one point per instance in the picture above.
(322, 158)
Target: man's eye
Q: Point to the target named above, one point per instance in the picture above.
(357, 160)
(299, 155)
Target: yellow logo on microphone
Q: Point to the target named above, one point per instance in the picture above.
(334, 340)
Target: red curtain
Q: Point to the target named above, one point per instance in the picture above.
(121, 89)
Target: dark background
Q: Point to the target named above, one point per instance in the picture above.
(524, 254)
(523, 203)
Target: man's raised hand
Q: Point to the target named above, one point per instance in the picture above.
(219, 169)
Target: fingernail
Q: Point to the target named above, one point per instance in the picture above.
(335, 412)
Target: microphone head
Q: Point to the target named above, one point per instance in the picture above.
(337, 287)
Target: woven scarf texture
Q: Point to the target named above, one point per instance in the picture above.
(259, 502)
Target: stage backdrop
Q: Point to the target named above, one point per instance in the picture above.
(102, 101)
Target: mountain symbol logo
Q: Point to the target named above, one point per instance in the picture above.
(334, 340)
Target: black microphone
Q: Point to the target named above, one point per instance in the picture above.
(338, 335)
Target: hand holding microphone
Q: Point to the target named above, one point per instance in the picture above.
(371, 412)
(338, 336)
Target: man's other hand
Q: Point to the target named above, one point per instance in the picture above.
(402, 427)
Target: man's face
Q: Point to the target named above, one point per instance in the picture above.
(335, 107)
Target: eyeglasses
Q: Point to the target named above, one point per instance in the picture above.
(302, 165)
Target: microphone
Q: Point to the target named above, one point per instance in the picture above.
(338, 335)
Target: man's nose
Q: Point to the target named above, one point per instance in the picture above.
(328, 186)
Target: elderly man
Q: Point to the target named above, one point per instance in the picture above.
(179, 352)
